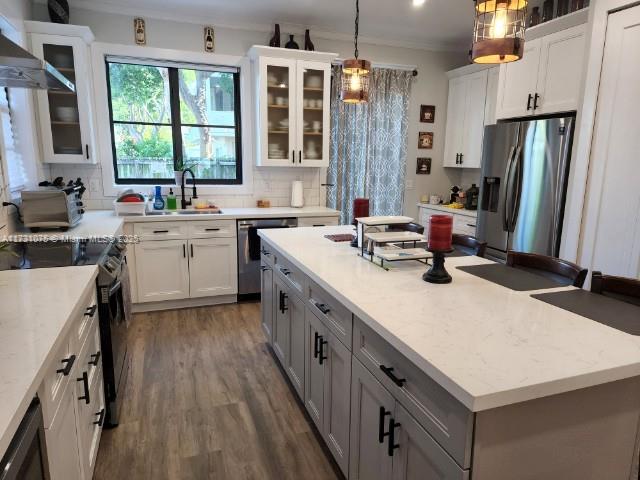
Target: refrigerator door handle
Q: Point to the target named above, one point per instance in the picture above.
(507, 175)
(518, 187)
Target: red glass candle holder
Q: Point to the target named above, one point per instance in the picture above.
(440, 233)
(440, 242)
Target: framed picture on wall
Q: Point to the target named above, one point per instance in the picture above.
(427, 113)
(425, 140)
(423, 166)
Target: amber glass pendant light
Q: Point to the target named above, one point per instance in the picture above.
(498, 34)
(355, 73)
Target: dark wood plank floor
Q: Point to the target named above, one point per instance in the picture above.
(204, 399)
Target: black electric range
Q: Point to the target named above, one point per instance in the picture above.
(114, 299)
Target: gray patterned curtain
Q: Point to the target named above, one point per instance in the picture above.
(369, 145)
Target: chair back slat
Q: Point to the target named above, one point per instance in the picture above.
(551, 267)
(470, 244)
(622, 288)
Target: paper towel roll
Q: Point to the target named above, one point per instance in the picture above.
(297, 194)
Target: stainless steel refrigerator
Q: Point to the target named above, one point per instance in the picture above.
(525, 168)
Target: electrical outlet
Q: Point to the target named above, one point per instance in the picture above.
(94, 185)
(410, 185)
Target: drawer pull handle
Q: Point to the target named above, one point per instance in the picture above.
(265, 252)
(100, 420)
(471, 225)
(381, 432)
(91, 311)
(211, 229)
(392, 445)
(263, 268)
(285, 271)
(161, 231)
(95, 358)
(85, 383)
(323, 308)
(389, 373)
(68, 365)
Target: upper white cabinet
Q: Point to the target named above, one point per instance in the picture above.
(465, 120)
(292, 106)
(547, 79)
(65, 118)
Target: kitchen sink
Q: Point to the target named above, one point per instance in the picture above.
(182, 212)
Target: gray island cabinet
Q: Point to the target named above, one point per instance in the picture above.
(384, 415)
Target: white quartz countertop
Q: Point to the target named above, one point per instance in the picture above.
(237, 213)
(37, 310)
(95, 224)
(487, 345)
(452, 211)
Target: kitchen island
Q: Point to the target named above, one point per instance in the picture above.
(498, 383)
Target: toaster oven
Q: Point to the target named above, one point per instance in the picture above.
(52, 207)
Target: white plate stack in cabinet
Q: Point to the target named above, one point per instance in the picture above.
(292, 104)
(468, 111)
(65, 118)
(548, 78)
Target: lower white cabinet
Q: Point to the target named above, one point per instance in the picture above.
(187, 268)
(213, 267)
(162, 270)
(61, 439)
(463, 222)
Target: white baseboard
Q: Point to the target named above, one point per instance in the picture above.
(186, 303)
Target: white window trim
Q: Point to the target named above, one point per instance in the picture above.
(101, 50)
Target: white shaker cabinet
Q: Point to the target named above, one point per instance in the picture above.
(292, 106)
(547, 79)
(65, 118)
(162, 270)
(465, 120)
(62, 448)
(213, 267)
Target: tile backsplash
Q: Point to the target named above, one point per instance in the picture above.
(272, 184)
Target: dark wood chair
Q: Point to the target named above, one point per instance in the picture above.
(406, 227)
(562, 271)
(469, 245)
(620, 288)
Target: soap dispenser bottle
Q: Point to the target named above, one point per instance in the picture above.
(172, 204)
(158, 201)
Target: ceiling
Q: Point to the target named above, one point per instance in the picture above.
(438, 24)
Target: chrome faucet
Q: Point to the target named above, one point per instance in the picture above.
(184, 202)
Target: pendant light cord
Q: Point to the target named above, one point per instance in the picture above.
(355, 40)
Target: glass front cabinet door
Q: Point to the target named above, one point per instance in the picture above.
(65, 117)
(293, 112)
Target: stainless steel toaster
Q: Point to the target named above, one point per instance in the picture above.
(52, 207)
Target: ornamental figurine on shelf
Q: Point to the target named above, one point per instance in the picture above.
(291, 44)
(209, 42)
(439, 243)
(58, 11)
(275, 40)
(308, 44)
(140, 32)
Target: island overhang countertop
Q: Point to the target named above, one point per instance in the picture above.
(487, 345)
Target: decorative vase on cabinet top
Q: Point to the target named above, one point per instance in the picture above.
(275, 40)
(291, 44)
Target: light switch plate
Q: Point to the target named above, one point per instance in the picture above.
(410, 185)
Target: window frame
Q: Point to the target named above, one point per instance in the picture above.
(176, 120)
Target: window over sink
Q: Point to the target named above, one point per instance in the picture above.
(167, 116)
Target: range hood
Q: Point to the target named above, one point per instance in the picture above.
(18, 68)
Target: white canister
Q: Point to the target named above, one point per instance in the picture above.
(435, 199)
(297, 194)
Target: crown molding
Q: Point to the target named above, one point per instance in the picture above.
(296, 29)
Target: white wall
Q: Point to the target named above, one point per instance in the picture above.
(430, 87)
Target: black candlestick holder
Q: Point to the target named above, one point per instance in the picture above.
(437, 273)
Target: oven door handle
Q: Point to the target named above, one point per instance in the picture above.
(116, 286)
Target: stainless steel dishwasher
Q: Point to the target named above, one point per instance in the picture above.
(249, 250)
